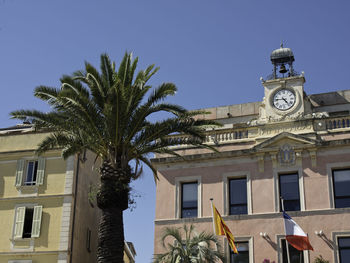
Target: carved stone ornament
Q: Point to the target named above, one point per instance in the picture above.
(286, 155)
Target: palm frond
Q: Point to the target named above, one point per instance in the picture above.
(107, 112)
(188, 246)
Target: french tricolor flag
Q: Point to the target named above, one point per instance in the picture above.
(295, 235)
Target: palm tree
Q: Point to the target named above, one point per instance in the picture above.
(193, 248)
(107, 113)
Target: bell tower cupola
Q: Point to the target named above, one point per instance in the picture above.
(282, 60)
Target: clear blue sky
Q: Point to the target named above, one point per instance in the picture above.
(214, 51)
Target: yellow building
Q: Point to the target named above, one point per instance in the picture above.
(44, 202)
(47, 214)
(129, 252)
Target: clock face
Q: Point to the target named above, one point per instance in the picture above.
(284, 99)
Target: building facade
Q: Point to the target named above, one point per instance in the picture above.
(290, 149)
(129, 252)
(45, 212)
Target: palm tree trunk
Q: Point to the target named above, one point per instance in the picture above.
(112, 199)
(111, 236)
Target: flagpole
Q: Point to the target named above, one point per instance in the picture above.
(212, 214)
(287, 246)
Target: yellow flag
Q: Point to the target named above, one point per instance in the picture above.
(221, 229)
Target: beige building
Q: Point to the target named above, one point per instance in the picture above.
(290, 145)
(46, 215)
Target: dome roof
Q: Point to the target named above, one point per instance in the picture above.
(282, 55)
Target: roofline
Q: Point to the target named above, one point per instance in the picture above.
(252, 102)
(17, 127)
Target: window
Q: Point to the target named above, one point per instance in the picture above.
(243, 253)
(30, 172)
(27, 222)
(289, 191)
(88, 240)
(341, 188)
(237, 193)
(238, 196)
(188, 196)
(295, 256)
(344, 249)
(189, 200)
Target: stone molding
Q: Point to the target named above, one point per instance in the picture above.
(324, 212)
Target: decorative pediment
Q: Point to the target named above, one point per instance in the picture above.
(285, 149)
(285, 138)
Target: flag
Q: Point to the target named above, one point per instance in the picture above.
(221, 229)
(295, 235)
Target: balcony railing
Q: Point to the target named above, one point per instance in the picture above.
(232, 135)
(338, 123)
(214, 136)
(226, 135)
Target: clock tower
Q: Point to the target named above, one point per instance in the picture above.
(284, 90)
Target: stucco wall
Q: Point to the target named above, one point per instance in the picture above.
(86, 211)
(21, 142)
(50, 224)
(55, 169)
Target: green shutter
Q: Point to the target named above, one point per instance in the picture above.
(36, 221)
(41, 171)
(19, 223)
(19, 172)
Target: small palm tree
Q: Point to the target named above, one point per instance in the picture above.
(190, 248)
(107, 113)
(320, 259)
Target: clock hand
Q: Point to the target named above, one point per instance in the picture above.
(282, 99)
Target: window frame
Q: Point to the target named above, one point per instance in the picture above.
(21, 174)
(279, 188)
(178, 194)
(39, 222)
(280, 171)
(34, 171)
(348, 247)
(283, 246)
(182, 209)
(280, 250)
(229, 195)
(28, 210)
(226, 190)
(333, 185)
(241, 239)
(335, 236)
(330, 168)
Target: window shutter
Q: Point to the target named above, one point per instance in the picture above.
(19, 172)
(41, 171)
(19, 223)
(36, 221)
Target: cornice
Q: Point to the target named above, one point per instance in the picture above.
(29, 197)
(245, 152)
(324, 212)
